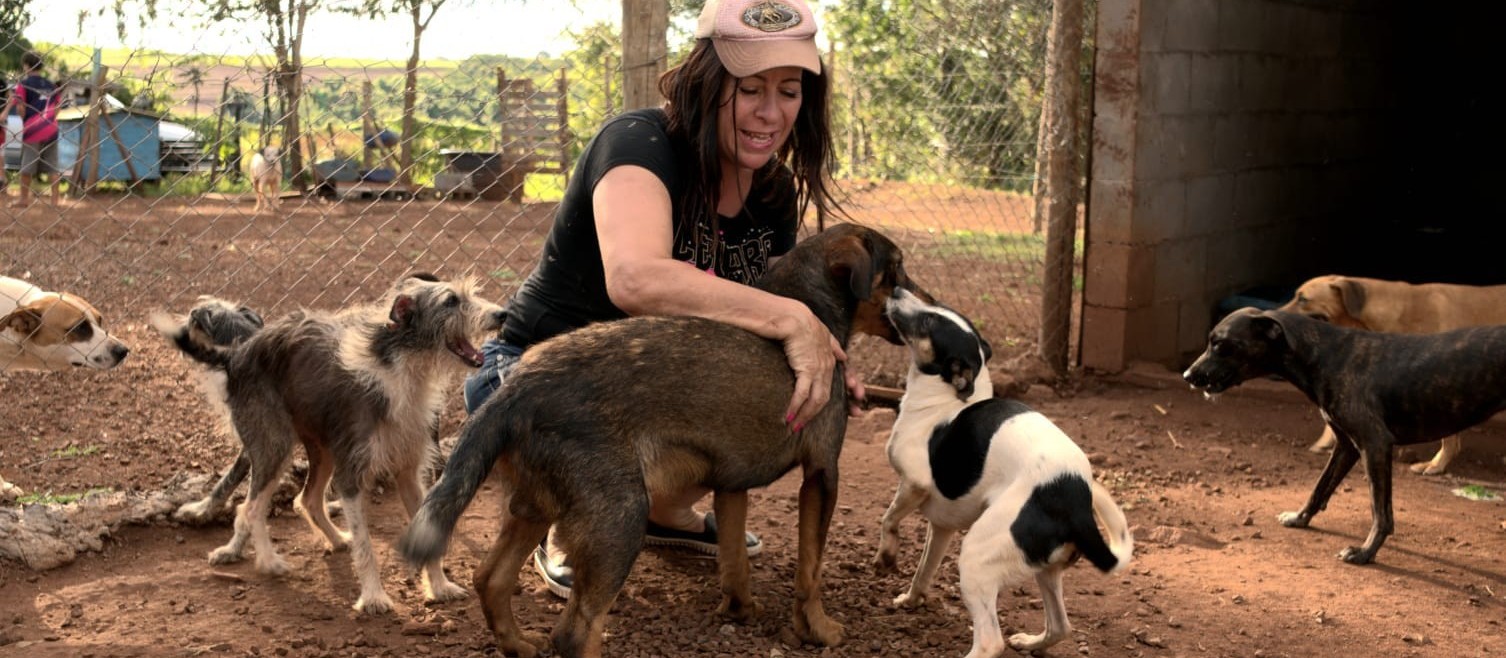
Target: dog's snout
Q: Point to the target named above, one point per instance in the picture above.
(498, 317)
(1192, 376)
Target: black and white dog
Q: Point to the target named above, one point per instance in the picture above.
(968, 460)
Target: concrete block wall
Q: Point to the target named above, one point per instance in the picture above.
(1220, 128)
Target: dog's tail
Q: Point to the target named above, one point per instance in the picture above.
(1112, 555)
(482, 441)
(177, 333)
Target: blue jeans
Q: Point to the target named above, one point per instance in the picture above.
(497, 359)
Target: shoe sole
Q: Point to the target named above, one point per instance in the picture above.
(555, 588)
(697, 546)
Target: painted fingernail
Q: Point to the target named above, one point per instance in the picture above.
(788, 418)
(798, 427)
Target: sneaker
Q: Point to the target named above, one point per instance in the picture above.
(559, 577)
(702, 542)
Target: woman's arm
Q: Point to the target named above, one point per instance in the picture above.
(634, 228)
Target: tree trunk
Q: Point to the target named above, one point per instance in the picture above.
(1064, 91)
(645, 26)
(410, 101)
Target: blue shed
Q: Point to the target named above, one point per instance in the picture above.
(134, 136)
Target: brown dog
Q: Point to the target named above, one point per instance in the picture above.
(1402, 308)
(592, 421)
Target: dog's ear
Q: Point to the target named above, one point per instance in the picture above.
(402, 310)
(251, 316)
(1351, 293)
(1268, 327)
(25, 321)
(850, 256)
(200, 318)
(988, 350)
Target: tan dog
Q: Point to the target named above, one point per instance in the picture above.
(266, 178)
(42, 330)
(1399, 307)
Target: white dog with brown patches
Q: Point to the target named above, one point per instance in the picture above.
(42, 330)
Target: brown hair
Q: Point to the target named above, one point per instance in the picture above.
(30, 60)
(693, 90)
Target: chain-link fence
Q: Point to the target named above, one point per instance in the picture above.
(453, 165)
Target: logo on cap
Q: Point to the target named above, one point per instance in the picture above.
(771, 16)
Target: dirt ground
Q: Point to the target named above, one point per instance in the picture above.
(1202, 482)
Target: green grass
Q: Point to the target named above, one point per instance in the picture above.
(72, 452)
(544, 187)
(50, 498)
(1476, 492)
(994, 246)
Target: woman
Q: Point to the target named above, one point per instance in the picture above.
(713, 183)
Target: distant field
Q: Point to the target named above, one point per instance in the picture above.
(245, 73)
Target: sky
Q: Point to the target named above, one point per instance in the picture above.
(461, 29)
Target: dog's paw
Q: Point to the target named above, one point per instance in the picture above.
(1428, 468)
(1023, 642)
(1292, 519)
(337, 544)
(1356, 555)
(273, 565)
(527, 645)
(909, 601)
(818, 629)
(445, 591)
(885, 562)
(196, 513)
(738, 610)
(225, 555)
(376, 604)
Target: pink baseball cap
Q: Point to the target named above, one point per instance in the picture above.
(758, 35)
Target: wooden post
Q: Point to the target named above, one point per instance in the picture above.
(608, 71)
(219, 136)
(645, 26)
(368, 125)
(125, 153)
(563, 136)
(501, 109)
(1064, 89)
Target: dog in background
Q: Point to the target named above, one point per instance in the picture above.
(1376, 390)
(996, 468)
(1403, 308)
(213, 322)
(41, 330)
(266, 179)
(593, 421)
(361, 389)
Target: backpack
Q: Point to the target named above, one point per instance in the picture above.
(42, 127)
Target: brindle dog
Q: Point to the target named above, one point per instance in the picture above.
(594, 420)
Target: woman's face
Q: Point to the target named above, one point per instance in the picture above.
(756, 116)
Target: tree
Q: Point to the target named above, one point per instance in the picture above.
(14, 16)
(283, 22)
(193, 75)
(953, 86)
(415, 9)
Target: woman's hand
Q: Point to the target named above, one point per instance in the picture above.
(813, 354)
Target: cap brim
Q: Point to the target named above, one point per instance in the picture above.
(745, 58)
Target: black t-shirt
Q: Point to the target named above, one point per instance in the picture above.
(568, 288)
